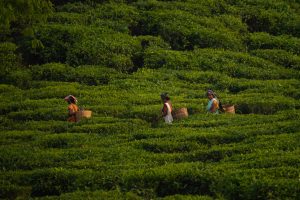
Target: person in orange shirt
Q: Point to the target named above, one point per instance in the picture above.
(72, 108)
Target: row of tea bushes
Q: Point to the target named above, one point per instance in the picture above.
(274, 17)
(27, 104)
(126, 151)
(186, 31)
(118, 195)
(57, 39)
(77, 44)
(239, 65)
(259, 16)
(72, 27)
(163, 145)
(265, 103)
(213, 152)
(222, 82)
(183, 178)
(39, 114)
(90, 75)
(261, 40)
(282, 87)
(280, 57)
(102, 194)
(199, 8)
(108, 11)
(197, 178)
(139, 102)
(9, 59)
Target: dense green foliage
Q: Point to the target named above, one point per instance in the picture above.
(116, 57)
(18, 19)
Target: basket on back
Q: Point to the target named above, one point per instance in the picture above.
(83, 114)
(229, 109)
(180, 113)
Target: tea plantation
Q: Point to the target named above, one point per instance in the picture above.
(117, 57)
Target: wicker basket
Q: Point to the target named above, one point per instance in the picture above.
(83, 114)
(229, 109)
(180, 113)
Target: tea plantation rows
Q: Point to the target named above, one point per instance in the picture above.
(117, 57)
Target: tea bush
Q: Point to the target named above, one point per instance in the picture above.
(95, 75)
(57, 90)
(280, 57)
(185, 31)
(9, 58)
(57, 40)
(276, 160)
(38, 114)
(264, 103)
(52, 72)
(109, 195)
(68, 18)
(14, 191)
(107, 50)
(26, 104)
(229, 63)
(124, 126)
(22, 158)
(239, 65)
(188, 197)
(199, 8)
(149, 41)
(264, 187)
(165, 58)
(271, 21)
(52, 126)
(266, 86)
(116, 12)
(10, 61)
(73, 7)
(55, 181)
(267, 41)
(20, 78)
(90, 75)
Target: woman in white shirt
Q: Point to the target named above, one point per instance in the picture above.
(167, 108)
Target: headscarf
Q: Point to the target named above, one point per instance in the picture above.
(211, 92)
(164, 96)
(69, 97)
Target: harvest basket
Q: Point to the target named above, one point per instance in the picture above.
(229, 109)
(180, 113)
(83, 114)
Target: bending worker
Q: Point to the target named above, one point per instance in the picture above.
(167, 108)
(72, 108)
(213, 103)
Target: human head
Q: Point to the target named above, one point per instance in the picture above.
(165, 96)
(210, 94)
(71, 99)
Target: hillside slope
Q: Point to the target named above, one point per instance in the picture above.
(117, 57)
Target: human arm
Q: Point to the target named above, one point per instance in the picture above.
(214, 106)
(72, 110)
(164, 110)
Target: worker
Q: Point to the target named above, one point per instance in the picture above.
(72, 108)
(213, 103)
(167, 108)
